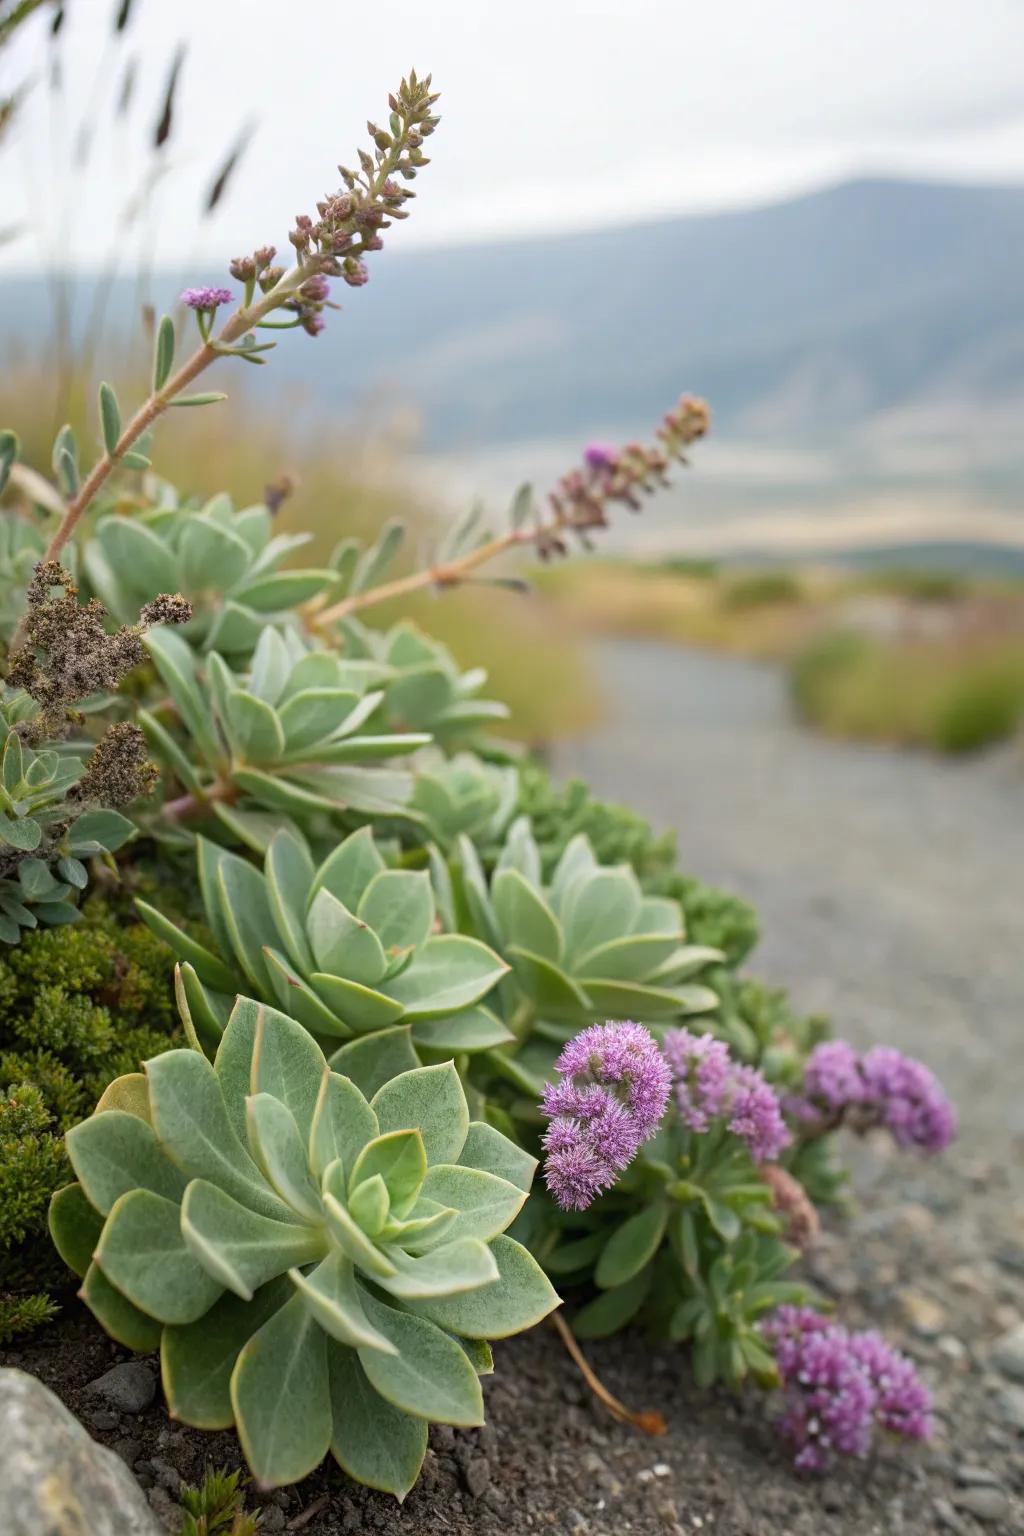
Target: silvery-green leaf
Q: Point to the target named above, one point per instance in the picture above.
(418, 695)
(464, 1264)
(623, 1000)
(577, 859)
(399, 1157)
(484, 1203)
(489, 1150)
(107, 830)
(399, 907)
(424, 1227)
(116, 1152)
(659, 914)
(343, 1123)
(631, 1246)
(75, 1226)
(352, 1240)
(281, 1397)
(518, 1299)
(334, 1299)
(211, 556)
(139, 556)
(240, 1249)
(117, 1315)
(360, 749)
(207, 966)
(283, 590)
(555, 993)
(599, 909)
(634, 957)
(371, 791)
(524, 916)
(289, 872)
(362, 1008)
(300, 1001)
(143, 1254)
(373, 1441)
(176, 665)
(682, 962)
(449, 972)
(429, 1377)
(475, 1029)
(279, 1150)
(192, 1124)
(270, 666)
(369, 1204)
(349, 869)
(203, 1013)
(314, 714)
(245, 911)
(196, 1359)
(376, 1058)
(256, 733)
(342, 943)
(25, 835)
(236, 629)
(520, 852)
(432, 1100)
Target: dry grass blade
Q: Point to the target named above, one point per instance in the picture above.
(124, 13)
(220, 182)
(162, 132)
(647, 1420)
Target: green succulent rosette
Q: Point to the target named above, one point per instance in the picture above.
(319, 1270)
(350, 949)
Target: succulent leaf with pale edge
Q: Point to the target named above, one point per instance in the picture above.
(317, 1268)
(348, 949)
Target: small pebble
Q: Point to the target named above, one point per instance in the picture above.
(982, 1503)
(273, 1520)
(129, 1387)
(948, 1517)
(976, 1477)
(1008, 1405)
(1008, 1353)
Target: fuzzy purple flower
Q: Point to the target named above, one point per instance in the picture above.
(206, 298)
(711, 1086)
(838, 1386)
(613, 1089)
(882, 1087)
(600, 456)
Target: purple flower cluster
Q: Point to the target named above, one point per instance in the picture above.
(711, 1086)
(839, 1386)
(613, 1089)
(882, 1087)
(206, 298)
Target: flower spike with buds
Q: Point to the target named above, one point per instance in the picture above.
(881, 1088)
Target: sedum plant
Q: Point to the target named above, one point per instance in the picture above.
(349, 948)
(292, 736)
(587, 944)
(225, 562)
(321, 1271)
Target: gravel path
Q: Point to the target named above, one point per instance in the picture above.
(890, 884)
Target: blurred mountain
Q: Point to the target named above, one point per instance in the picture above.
(892, 307)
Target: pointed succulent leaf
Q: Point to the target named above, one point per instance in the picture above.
(373, 1441)
(342, 943)
(475, 1029)
(281, 1397)
(449, 972)
(484, 1203)
(238, 1248)
(207, 966)
(398, 904)
(314, 714)
(143, 1255)
(634, 957)
(349, 869)
(451, 1269)
(116, 1152)
(75, 1226)
(196, 1359)
(375, 1059)
(399, 1157)
(518, 1299)
(270, 667)
(335, 1299)
(351, 1238)
(278, 1148)
(300, 1001)
(430, 1376)
(631, 1246)
(524, 916)
(599, 909)
(361, 1008)
(431, 1099)
(289, 872)
(487, 1149)
(555, 994)
(369, 1205)
(124, 1321)
(342, 1124)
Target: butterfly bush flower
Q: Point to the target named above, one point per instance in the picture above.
(206, 298)
(839, 1386)
(711, 1086)
(881, 1088)
(613, 1089)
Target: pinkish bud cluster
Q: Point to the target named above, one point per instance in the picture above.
(839, 1386)
(711, 1086)
(882, 1087)
(581, 499)
(611, 1097)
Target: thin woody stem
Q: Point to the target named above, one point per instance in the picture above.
(448, 575)
(650, 1422)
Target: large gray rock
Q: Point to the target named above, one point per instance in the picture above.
(56, 1481)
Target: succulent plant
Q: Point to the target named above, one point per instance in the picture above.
(588, 945)
(225, 562)
(427, 691)
(349, 949)
(293, 735)
(464, 794)
(319, 1271)
(44, 835)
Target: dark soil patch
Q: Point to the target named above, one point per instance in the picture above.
(934, 1256)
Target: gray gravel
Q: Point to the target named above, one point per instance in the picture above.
(890, 884)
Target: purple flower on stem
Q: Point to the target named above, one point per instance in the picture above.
(613, 1091)
(882, 1087)
(601, 455)
(838, 1386)
(206, 298)
(711, 1086)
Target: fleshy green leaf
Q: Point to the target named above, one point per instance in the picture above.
(399, 1157)
(518, 1299)
(240, 1249)
(336, 1301)
(490, 1151)
(450, 972)
(430, 1376)
(373, 1441)
(115, 1152)
(196, 1359)
(343, 1123)
(375, 1059)
(432, 1100)
(631, 1246)
(281, 1398)
(484, 1204)
(75, 1227)
(143, 1254)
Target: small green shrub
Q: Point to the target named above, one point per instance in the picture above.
(78, 1006)
(982, 707)
(758, 589)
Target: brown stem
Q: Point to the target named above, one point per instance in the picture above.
(650, 1422)
(220, 792)
(433, 576)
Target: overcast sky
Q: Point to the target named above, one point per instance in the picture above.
(557, 113)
